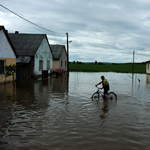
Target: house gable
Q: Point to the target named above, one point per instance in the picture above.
(60, 57)
(43, 58)
(6, 47)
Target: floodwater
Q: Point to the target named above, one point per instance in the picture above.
(59, 113)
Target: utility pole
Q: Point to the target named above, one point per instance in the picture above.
(67, 54)
(133, 62)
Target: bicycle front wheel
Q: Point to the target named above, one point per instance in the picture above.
(112, 96)
(96, 96)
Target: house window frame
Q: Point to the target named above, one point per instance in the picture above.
(2, 66)
(40, 65)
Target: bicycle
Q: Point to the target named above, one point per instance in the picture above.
(100, 95)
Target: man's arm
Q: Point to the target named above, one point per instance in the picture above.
(98, 83)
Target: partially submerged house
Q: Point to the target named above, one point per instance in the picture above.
(59, 57)
(33, 52)
(7, 55)
(148, 67)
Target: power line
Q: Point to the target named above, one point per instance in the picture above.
(30, 21)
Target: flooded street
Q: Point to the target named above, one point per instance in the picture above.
(59, 113)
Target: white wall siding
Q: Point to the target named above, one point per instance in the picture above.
(43, 53)
(63, 58)
(5, 48)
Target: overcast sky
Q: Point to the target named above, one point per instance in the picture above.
(103, 31)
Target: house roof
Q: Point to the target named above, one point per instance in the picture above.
(6, 34)
(23, 59)
(26, 44)
(147, 61)
(57, 51)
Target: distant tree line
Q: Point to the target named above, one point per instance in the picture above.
(79, 62)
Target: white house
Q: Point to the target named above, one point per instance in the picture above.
(7, 54)
(34, 52)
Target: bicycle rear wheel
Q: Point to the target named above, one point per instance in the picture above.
(112, 96)
(96, 96)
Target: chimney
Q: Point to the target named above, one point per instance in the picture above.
(16, 32)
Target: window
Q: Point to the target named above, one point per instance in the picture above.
(48, 64)
(61, 63)
(40, 65)
(2, 65)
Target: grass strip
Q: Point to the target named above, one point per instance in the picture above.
(123, 68)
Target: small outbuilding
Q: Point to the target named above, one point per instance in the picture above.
(7, 55)
(33, 52)
(59, 57)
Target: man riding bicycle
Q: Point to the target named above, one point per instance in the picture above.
(105, 86)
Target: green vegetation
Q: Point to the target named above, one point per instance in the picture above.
(99, 67)
(12, 69)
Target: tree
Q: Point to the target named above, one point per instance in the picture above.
(95, 62)
(12, 69)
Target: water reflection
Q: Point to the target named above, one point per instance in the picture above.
(104, 110)
(147, 78)
(6, 90)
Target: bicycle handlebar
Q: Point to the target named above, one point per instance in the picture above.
(98, 88)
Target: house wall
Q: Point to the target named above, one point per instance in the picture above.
(63, 58)
(8, 61)
(43, 53)
(55, 64)
(7, 55)
(148, 68)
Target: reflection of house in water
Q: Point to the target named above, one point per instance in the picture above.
(10, 89)
(147, 78)
(60, 85)
(42, 90)
(2, 91)
(31, 95)
(7, 92)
